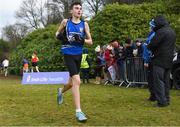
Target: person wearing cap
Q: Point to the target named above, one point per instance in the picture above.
(147, 56)
(162, 46)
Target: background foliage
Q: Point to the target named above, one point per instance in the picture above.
(44, 43)
(4, 48)
(114, 21)
(122, 21)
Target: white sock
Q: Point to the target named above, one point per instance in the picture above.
(78, 110)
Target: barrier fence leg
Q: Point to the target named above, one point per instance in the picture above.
(121, 83)
(128, 84)
(106, 82)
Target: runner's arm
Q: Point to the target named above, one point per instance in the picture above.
(88, 39)
(61, 27)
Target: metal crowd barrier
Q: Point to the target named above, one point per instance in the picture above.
(135, 72)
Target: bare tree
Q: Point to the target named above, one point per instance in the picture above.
(94, 6)
(38, 14)
(55, 11)
(33, 13)
(65, 6)
(128, 1)
(14, 33)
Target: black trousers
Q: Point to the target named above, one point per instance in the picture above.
(85, 74)
(150, 81)
(161, 77)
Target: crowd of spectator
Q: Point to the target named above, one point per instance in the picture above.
(110, 59)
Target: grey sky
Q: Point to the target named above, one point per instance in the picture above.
(7, 11)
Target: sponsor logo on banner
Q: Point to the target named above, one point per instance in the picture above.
(45, 78)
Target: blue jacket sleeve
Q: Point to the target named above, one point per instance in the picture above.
(146, 55)
(146, 52)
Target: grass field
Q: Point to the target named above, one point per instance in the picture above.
(36, 105)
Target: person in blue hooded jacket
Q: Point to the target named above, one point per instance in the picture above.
(147, 55)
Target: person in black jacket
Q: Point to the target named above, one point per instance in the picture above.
(162, 46)
(128, 48)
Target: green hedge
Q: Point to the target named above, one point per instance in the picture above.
(122, 21)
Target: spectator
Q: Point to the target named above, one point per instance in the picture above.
(85, 66)
(98, 64)
(25, 65)
(137, 61)
(104, 76)
(129, 55)
(128, 48)
(162, 46)
(110, 61)
(120, 57)
(147, 56)
(5, 64)
(139, 48)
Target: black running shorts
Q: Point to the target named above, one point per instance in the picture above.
(34, 64)
(73, 63)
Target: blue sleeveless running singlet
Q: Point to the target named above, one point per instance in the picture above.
(73, 47)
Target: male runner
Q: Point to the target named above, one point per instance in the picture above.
(73, 33)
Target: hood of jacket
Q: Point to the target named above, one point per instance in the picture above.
(160, 21)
